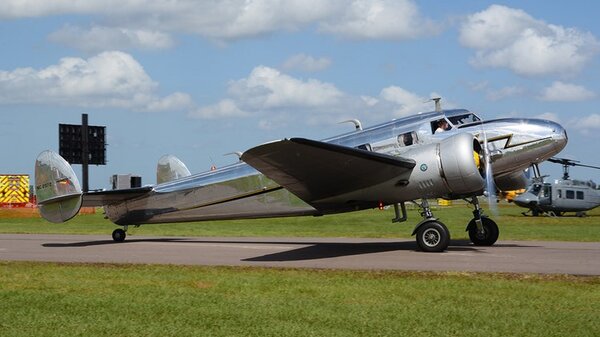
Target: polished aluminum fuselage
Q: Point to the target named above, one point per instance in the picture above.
(239, 191)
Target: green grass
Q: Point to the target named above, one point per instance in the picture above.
(369, 223)
(46, 299)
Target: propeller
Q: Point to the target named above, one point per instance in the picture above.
(490, 187)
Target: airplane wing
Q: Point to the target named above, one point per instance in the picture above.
(329, 176)
(101, 198)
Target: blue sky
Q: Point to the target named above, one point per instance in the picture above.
(199, 79)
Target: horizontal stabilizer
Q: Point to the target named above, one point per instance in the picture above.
(102, 198)
(325, 175)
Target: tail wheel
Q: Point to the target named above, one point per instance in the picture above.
(490, 232)
(119, 235)
(433, 236)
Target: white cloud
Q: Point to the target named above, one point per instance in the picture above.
(404, 102)
(99, 38)
(267, 91)
(109, 79)
(306, 63)
(175, 101)
(511, 38)
(275, 98)
(233, 19)
(226, 108)
(586, 125)
(505, 92)
(566, 92)
(268, 88)
(379, 19)
(549, 116)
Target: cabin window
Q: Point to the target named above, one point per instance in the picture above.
(559, 194)
(580, 195)
(440, 125)
(366, 147)
(570, 194)
(546, 191)
(464, 119)
(407, 139)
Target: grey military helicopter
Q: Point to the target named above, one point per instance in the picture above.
(403, 160)
(562, 195)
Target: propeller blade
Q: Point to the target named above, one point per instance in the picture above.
(490, 187)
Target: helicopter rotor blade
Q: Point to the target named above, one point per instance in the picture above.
(588, 166)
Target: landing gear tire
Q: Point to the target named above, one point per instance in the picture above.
(119, 235)
(490, 232)
(433, 236)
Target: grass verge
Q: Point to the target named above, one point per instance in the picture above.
(369, 223)
(47, 299)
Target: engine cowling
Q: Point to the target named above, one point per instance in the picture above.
(451, 169)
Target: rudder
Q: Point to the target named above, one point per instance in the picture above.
(57, 188)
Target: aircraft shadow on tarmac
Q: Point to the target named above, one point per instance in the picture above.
(330, 250)
(308, 251)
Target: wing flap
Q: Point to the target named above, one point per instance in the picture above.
(326, 175)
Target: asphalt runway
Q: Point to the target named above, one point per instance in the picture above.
(329, 253)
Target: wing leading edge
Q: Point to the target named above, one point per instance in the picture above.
(329, 176)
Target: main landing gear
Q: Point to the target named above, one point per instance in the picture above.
(433, 236)
(483, 231)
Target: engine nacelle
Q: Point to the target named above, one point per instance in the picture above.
(511, 182)
(449, 169)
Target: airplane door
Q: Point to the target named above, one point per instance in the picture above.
(546, 195)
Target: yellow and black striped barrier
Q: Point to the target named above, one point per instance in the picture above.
(14, 189)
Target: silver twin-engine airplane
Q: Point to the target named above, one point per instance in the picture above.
(439, 154)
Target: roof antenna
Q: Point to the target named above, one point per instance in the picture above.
(356, 122)
(438, 105)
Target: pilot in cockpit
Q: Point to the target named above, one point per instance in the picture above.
(442, 126)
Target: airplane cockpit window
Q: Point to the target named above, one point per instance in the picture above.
(467, 118)
(535, 189)
(440, 125)
(366, 147)
(408, 138)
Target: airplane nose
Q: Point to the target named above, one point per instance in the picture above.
(559, 135)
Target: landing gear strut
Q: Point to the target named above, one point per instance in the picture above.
(483, 231)
(432, 235)
(119, 234)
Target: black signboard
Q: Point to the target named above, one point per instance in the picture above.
(71, 143)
